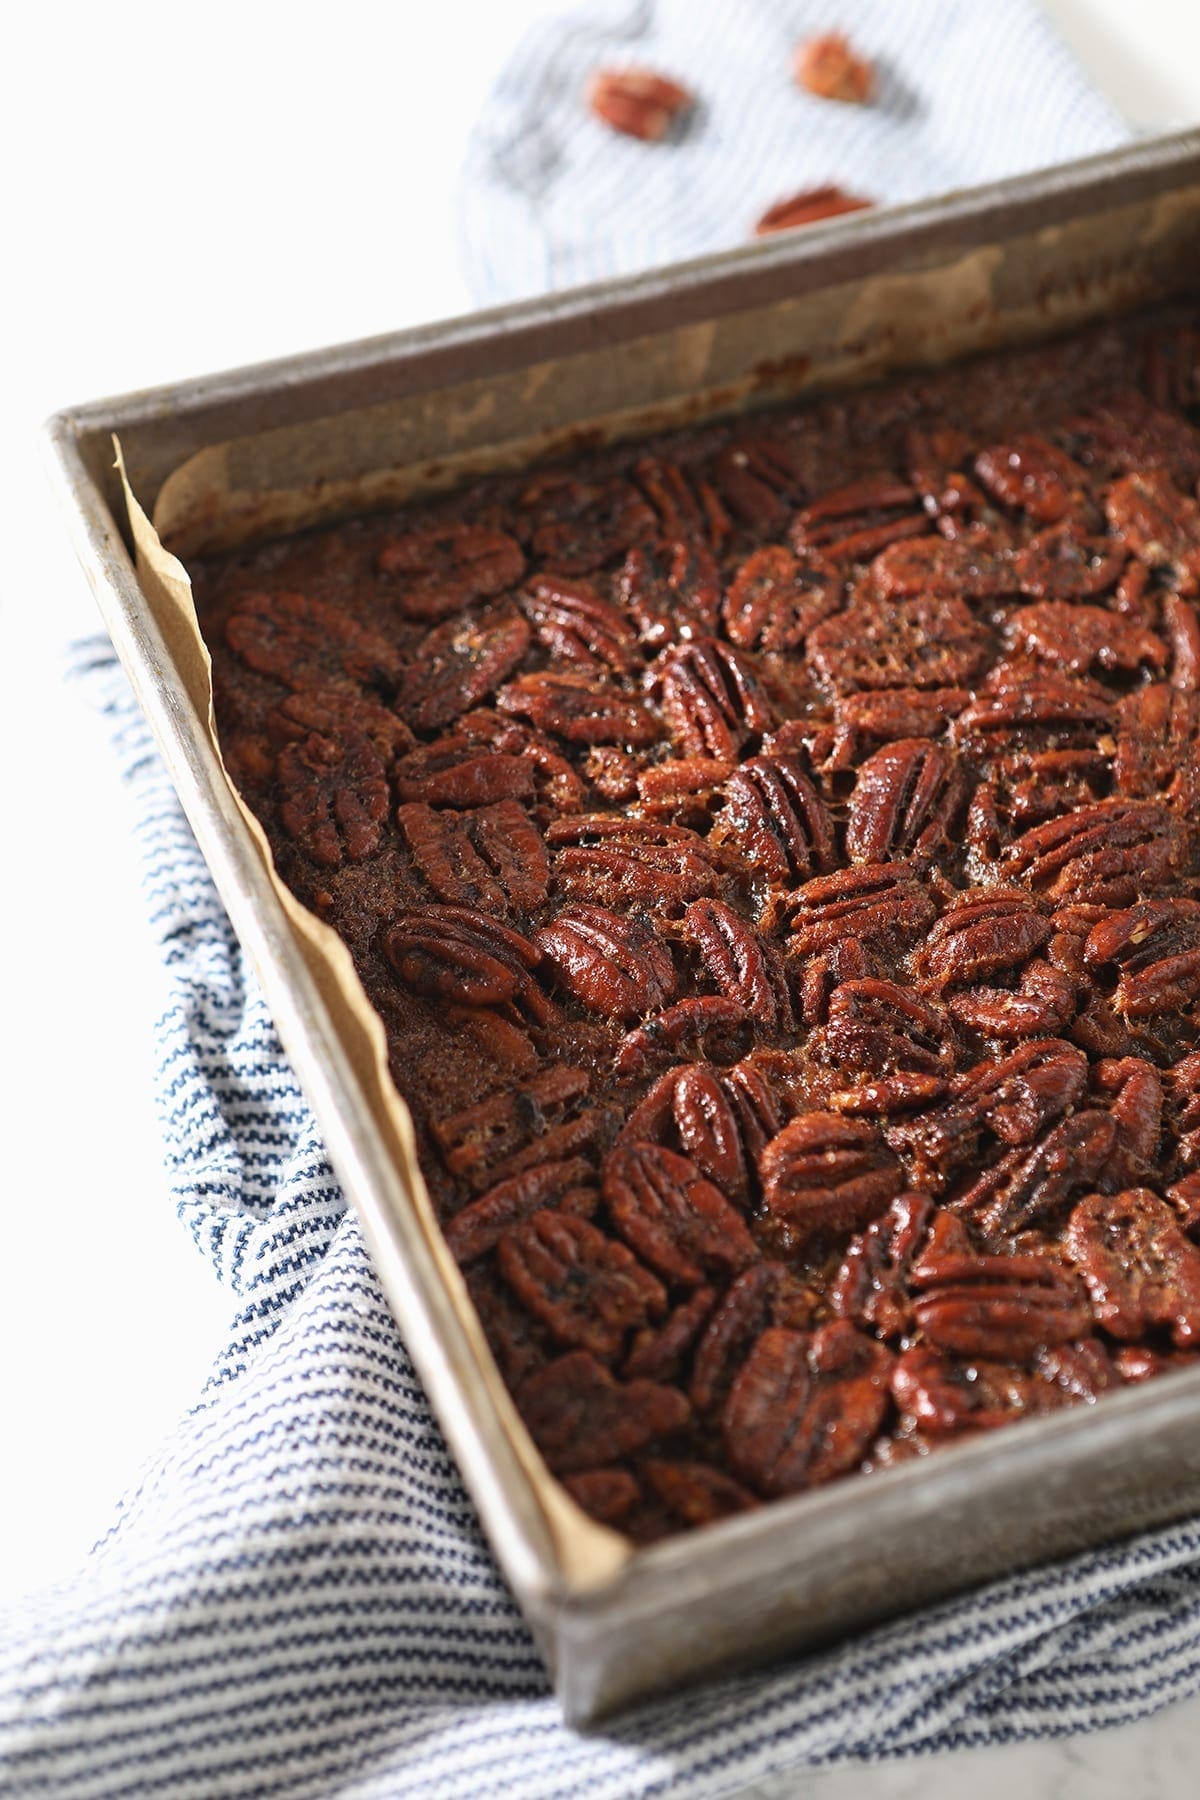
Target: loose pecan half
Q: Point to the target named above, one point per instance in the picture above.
(807, 208)
(1059, 564)
(871, 1286)
(828, 67)
(1141, 1271)
(696, 1493)
(805, 1406)
(936, 565)
(981, 934)
(336, 712)
(941, 1395)
(637, 102)
(1029, 1187)
(516, 1130)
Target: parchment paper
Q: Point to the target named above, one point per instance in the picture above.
(589, 1553)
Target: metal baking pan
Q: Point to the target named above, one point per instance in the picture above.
(1006, 263)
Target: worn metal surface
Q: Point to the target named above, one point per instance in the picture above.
(1002, 264)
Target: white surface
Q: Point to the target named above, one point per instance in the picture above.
(274, 229)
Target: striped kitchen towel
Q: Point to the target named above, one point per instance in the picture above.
(966, 91)
(296, 1599)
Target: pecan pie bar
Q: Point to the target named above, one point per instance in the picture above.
(772, 851)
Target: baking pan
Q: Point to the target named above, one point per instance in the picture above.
(830, 305)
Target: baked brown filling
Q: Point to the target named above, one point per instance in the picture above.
(772, 851)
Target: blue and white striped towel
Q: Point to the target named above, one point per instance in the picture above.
(296, 1600)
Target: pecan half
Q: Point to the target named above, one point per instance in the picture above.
(1141, 1270)
(981, 934)
(1106, 854)
(776, 598)
(711, 699)
(580, 1417)
(1027, 1187)
(930, 642)
(587, 1291)
(307, 643)
(637, 102)
(444, 568)
(825, 1174)
(740, 962)
(776, 821)
(459, 664)
(943, 1396)
(696, 1493)
(336, 712)
(456, 953)
(615, 967)
(1005, 1308)
(674, 1219)
(1059, 564)
(871, 1286)
(580, 628)
(492, 858)
(723, 1118)
(568, 1185)
(333, 796)
(580, 710)
(1158, 524)
(659, 1352)
(875, 902)
(576, 526)
(672, 591)
(1032, 476)
(1155, 946)
(1158, 745)
(905, 802)
(459, 771)
(935, 565)
(1077, 638)
(516, 1130)
(624, 863)
(805, 1407)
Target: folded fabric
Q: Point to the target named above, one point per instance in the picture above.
(297, 1600)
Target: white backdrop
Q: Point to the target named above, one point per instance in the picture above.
(186, 189)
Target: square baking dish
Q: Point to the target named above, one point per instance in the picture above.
(821, 308)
